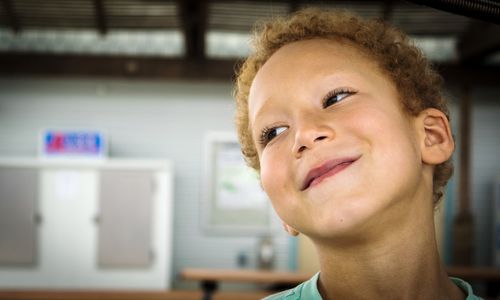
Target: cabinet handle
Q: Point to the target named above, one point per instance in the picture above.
(152, 256)
(37, 218)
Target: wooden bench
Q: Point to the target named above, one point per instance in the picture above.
(210, 278)
(123, 295)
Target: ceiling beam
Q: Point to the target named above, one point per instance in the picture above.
(484, 10)
(11, 16)
(293, 6)
(387, 10)
(193, 15)
(100, 17)
(474, 75)
(29, 64)
(478, 41)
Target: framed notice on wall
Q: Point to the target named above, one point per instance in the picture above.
(233, 200)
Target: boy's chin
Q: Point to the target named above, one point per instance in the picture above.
(348, 224)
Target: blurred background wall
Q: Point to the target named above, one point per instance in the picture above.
(168, 119)
(144, 119)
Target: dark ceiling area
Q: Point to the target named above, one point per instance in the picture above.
(476, 40)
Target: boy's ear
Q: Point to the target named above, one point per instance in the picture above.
(291, 231)
(436, 140)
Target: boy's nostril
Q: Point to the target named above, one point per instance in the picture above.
(309, 144)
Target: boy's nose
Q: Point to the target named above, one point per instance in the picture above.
(309, 136)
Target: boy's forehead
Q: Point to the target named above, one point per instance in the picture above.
(296, 63)
(328, 47)
(321, 55)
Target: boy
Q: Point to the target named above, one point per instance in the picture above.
(345, 122)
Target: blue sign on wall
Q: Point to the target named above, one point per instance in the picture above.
(57, 143)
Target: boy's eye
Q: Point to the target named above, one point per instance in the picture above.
(270, 133)
(336, 96)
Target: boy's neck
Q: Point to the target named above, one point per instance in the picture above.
(403, 264)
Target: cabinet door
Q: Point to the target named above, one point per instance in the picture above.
(125, 205)
(18, 195)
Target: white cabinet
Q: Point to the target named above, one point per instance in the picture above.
(104, 224)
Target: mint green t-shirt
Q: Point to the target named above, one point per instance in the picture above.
(308, 290)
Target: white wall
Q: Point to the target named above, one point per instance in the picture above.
(144, 120)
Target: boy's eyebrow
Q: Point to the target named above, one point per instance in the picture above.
(258, 114)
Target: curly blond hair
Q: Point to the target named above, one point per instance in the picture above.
(418, 84)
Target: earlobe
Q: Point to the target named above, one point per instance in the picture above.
(437, 143)
(291, 231)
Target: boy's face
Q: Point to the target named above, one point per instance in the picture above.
(337, 153)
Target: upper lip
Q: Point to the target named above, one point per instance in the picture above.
(324, 168)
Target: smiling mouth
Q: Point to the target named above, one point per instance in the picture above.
(328, 169)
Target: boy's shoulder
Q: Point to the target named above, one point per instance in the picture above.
(306, 290)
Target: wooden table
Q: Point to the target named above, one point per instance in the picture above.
(36, 294)
(209, 278)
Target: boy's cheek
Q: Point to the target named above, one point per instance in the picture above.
(265, 175)
(273, 176)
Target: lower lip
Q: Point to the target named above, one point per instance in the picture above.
(330, 173)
